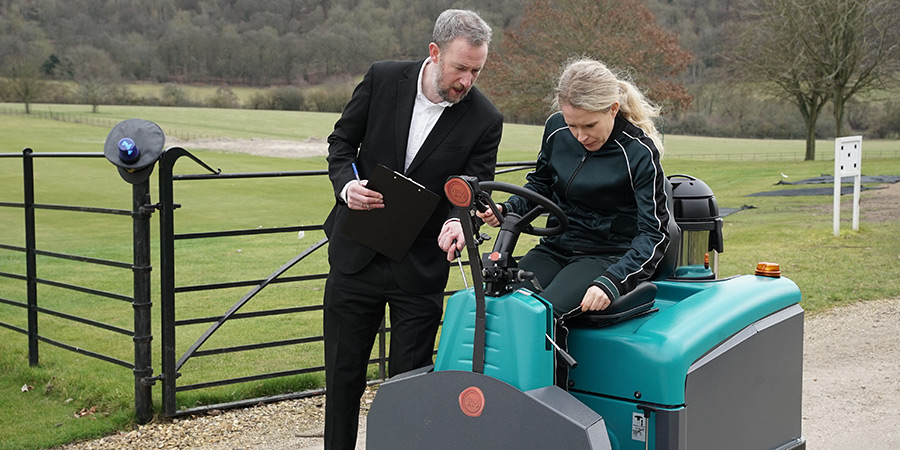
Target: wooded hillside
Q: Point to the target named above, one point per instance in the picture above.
(261, 42)
(301, 43)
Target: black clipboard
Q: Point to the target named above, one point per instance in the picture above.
(391, 230)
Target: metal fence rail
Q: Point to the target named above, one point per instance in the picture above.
(140, 335)
(821, 155)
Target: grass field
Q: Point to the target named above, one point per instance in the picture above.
(794, 231)
(195, 93)
(198, 93)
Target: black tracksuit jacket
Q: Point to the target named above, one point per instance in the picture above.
(615, 200)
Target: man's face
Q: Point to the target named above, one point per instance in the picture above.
(458, 66)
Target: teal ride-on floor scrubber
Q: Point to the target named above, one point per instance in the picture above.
(685, 361)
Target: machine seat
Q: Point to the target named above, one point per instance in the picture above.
(635, 303)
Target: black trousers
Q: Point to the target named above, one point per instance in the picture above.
(563, 279)
(354, 307)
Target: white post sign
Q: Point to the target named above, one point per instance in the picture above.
(847, 162)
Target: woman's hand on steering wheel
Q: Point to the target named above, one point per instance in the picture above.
(489, 217)
(523, 222)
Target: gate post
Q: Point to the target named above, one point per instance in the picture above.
(143, 332)
(134, 146)
(167, 277)
(30, 260)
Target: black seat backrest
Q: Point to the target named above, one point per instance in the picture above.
(667, 265)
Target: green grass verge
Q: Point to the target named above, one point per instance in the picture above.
(45, 416)
(186, 123)
(794, 231)
(196, 93)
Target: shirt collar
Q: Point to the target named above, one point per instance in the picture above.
(421, 95)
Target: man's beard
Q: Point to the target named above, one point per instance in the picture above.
(445, 93)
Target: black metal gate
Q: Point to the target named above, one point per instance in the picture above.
(140, 267)
(172, 363)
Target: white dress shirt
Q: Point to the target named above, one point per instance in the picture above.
(425, 114)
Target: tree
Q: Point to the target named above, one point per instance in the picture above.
(186, 47)
(623, 34)
(769, 47)
(854, 44)
(24, 78)
(815, 51)
(262, 52)
(95, 73)
(23, 49)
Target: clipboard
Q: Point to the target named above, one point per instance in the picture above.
(391, 230)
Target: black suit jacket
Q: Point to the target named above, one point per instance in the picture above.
(373, 129)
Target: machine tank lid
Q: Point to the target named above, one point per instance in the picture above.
(686, 186)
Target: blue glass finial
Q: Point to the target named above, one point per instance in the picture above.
(128, 151)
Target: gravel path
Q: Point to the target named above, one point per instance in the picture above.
(851, 377)
(851, 387)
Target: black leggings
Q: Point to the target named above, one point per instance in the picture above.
(563, 280)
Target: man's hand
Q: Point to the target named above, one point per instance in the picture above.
(452, 238)
(361, 198)
(595, 299)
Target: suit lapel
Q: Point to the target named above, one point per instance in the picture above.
(406, 98)
(445, 124)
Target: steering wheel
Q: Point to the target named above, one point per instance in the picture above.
(523, 225)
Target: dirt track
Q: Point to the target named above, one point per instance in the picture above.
(851, 377)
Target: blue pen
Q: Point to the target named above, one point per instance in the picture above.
(355, 172)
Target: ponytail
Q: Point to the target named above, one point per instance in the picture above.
(635, 108)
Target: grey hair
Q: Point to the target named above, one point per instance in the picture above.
(456, 23)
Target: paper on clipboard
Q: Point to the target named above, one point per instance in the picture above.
(391, 230)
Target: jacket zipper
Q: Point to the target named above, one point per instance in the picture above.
(577, 169)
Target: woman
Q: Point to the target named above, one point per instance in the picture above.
(600, 162)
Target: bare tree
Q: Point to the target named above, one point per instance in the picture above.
(24, 79)
(854, 45)
(95, 73)
(23, 49)
(815, 51)
(769, 48)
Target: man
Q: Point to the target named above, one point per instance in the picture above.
(426, 120)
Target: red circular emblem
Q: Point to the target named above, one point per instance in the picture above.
(471, 401)
(458, 192)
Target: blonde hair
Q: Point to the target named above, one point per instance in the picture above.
(590, 85)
